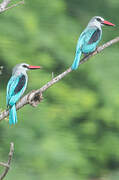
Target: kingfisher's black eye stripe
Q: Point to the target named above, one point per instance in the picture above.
(98, 19)
(25, 66)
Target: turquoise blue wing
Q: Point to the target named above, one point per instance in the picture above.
(80, 42)
(92, 36)
(78, 52)
(10, 88)
(15, 88)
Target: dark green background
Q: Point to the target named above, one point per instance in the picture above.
(74, 133)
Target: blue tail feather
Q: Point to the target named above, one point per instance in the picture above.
(76, 61)
(12, 115)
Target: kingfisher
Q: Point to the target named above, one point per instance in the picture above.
(89, 38)
(16, 87)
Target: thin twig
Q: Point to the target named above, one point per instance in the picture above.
(7, 165)
(35, 96)
(4, 4)
(52, 75)
(14, 5)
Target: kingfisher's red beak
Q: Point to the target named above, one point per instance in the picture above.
(34, 67)
(108, 23)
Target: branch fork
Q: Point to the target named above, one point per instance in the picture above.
(7, 165)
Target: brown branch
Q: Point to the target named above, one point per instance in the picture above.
(34, 97)
(7, 165)
(4, 4)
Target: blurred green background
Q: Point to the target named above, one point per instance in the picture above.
(74, 133)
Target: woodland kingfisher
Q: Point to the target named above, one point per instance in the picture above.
(89, 38)
(16, 87)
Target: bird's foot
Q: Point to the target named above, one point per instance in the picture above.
(86, 54)
(35, 98)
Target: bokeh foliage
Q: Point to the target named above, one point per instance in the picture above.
(74, 132)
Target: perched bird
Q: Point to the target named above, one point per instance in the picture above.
(16, 87)
(89, 38)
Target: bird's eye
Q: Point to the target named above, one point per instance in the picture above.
(25, 66)
(98, 19)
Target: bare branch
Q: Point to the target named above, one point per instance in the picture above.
(14, 5)
(4, 164)
(4, 4)
(34, 97)
(7, 165)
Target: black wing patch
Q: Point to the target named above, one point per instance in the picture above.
(95, 36)
(20, 84)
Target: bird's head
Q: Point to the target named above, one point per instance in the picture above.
(99, 21)
(23, 67)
